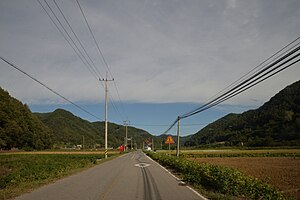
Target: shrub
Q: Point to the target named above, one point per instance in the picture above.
(219, 179)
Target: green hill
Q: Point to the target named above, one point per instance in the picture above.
(276, 123)
(19, 128)
(70, 130)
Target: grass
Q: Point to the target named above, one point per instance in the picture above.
(20, 173)
(211, 153)
(281, 172)
(218, 181)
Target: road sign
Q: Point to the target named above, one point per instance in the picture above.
(169, 140)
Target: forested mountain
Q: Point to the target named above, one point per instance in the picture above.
(19, 128)
(276, 123)
(70, 130)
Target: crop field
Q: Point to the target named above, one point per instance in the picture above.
(281, 172)
(278, 167)
(236, 153)
(61, 152)
(22, 172)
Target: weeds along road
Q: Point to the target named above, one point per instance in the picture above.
(129, 177)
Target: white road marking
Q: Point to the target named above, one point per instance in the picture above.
(178, 179)
(142, 165)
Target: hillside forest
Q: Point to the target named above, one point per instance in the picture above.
(276, 123)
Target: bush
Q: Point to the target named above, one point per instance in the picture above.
(219, 179)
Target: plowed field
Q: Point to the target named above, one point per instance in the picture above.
(281, 172)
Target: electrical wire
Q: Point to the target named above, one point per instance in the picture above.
(260, 66)
(259, 76)
(70, 40)
(102, 56)
(247, 82)
(64, 32)
(95, 69)
(94, 39)
(47, 87)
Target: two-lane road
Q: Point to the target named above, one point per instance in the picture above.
(132, 176)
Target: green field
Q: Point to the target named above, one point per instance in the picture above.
(216, 180)
(202, 153)
(21, 173)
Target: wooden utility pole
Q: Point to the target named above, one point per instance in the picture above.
(106, 113)
(178, 136)
(126, 138)
(152, 144)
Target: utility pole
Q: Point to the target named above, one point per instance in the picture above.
(106, 112)
(83, 142)
(126, 124)
(152, 145)
(178, 136)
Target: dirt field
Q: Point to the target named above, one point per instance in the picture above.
(281, 172)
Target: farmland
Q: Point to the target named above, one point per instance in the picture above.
(281, 172)
(24, 171)
(277, 167)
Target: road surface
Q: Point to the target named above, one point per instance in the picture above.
(129, 177)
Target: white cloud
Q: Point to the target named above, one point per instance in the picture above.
(159, 51)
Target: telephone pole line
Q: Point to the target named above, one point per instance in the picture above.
(178, 136)
(106, 111)
(126, 123)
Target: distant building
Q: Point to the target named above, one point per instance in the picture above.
(147, 148)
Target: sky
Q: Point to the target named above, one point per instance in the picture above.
(166, 56)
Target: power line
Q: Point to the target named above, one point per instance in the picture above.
(120, 100)
(234, 91)
(102, 56)
(115, 106)
(68, 37)
(260, 66)
(163, 125)
(82, 54)
(264, 73)
(43, 84)
(94, 39)
(95, 69)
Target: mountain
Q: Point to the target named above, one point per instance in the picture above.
(276, 123)
(19, 128)
(22, 129)
(70, 130)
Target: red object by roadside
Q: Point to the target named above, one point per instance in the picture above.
(121, 148)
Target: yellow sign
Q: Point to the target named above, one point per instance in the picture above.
(169, 140)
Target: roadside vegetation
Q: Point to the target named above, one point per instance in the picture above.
(219, 181)
(215, 153)
(21, 173)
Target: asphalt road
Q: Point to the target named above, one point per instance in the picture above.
(129, 177)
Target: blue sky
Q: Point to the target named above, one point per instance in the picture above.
(154, 118)
(166, 56)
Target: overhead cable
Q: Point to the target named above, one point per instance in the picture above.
(278, 64)
(94, 39)
(261, 65)
(64, 32)
(102, 56)
(53, 91)
(95, 69)
(248, 81)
